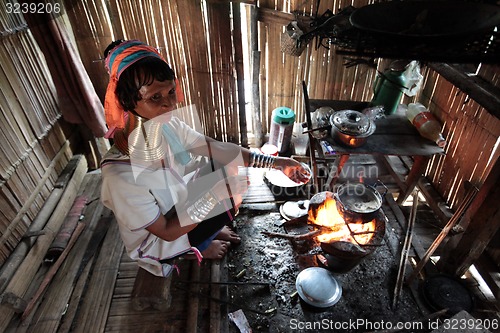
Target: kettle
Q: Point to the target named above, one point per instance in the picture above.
(389, 86)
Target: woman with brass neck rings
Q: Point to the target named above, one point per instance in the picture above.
(165, 207)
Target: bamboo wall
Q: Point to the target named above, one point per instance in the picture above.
(471, 132)
(33, 137)
(194, 37)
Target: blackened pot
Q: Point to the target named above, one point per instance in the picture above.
(358, 202)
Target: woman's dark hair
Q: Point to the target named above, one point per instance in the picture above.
(141, 73)
(112, 46)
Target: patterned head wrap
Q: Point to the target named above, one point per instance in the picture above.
(119, 59)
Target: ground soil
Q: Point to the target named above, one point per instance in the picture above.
(367, 289)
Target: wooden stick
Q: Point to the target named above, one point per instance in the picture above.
(471, 193)
(293, 237)
(404, 252)
(53, 270)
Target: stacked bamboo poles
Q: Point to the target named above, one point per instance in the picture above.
(23, 276)
(30, 132)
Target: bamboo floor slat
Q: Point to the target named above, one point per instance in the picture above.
(123, 318)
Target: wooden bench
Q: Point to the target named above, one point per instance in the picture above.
(151, 291)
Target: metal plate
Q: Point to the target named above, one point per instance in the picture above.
(317, 287)
(294, 209)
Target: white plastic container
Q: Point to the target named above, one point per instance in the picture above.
(281, 128)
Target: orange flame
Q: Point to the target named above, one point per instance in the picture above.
(328, 216)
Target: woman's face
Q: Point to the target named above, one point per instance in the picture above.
(156, 99)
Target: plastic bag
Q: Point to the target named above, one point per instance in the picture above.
(374, 112)
(413, 78)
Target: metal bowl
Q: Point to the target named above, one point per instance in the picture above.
(317, 287)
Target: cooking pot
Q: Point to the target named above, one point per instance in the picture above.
(357, 202)
(351, 128)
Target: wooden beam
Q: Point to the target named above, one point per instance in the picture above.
(267, 15)
(416, 171)
(483, 92)
(489, 272)
(385, 160)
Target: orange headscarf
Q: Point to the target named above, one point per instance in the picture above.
(117, 60)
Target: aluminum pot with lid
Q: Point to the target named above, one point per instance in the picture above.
(351, 128)
(357, 202)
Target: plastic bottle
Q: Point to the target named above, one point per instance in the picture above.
(425, 122)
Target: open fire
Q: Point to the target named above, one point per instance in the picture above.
(344, 244)
(335, 228)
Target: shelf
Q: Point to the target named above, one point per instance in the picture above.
(483, 48)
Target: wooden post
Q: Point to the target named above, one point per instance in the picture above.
(418, 168)
(255, 66)
(240, 75)
(151, 291)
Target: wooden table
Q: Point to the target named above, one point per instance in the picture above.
(394, 135)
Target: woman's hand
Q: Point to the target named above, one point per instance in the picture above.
(296, 171)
